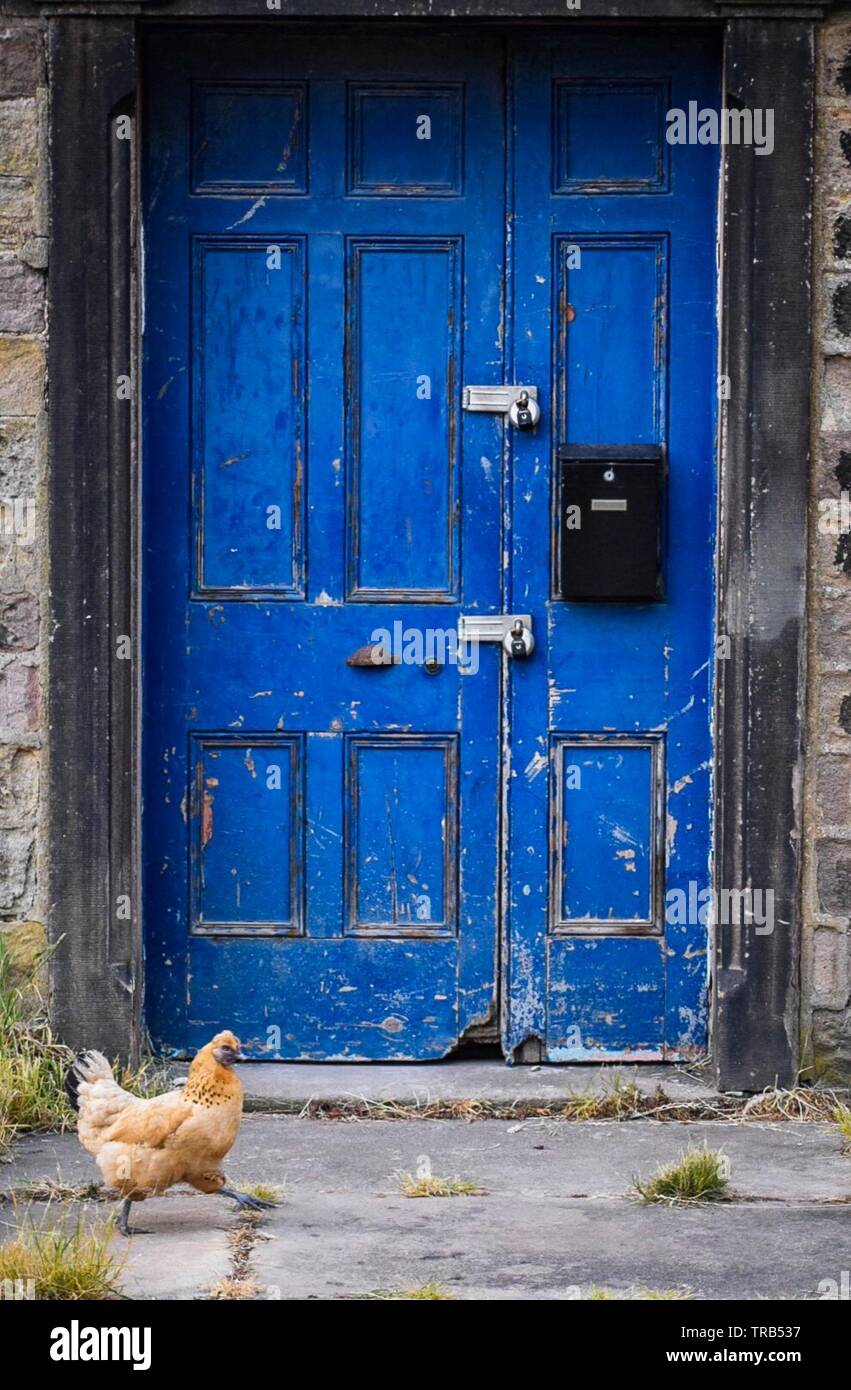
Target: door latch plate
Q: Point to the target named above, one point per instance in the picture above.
(495, 400)
(490, 627)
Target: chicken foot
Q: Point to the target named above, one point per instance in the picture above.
(246, 1203)
(124, 1218)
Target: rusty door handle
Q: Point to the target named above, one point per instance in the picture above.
(373, 656)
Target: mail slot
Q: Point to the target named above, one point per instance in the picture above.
(610, 515)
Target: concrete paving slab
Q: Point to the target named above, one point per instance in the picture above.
(288, 1085)
(554, 1220)
(508, 1248)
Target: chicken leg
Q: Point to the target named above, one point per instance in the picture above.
(124, 1220)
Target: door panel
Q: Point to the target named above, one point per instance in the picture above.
(248, 449)
(609, 721)
(320, 839)
(422, 281)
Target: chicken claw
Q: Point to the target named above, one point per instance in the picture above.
(245, 1202)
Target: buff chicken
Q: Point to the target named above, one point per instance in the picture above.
(143, 1147)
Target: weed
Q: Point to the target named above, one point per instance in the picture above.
(431, 1186)
(842, 1119)
(68, 1260)
(698, 1175)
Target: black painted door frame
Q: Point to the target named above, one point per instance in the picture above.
(766, 337)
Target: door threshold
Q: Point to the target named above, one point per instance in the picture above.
(290, 1086)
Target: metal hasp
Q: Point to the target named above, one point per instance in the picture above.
(512, 630)
(496, 400)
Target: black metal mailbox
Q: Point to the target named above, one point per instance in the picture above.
(610, 523)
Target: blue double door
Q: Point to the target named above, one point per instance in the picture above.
(360, 840)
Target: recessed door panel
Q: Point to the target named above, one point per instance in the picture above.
(402, 402)
(248, 434)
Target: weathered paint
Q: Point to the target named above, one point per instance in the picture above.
(617, 697)
(347, 907)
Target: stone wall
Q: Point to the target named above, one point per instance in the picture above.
(23, 569)
(827, 883)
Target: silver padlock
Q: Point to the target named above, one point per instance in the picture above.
(519, 642)
(524, 413)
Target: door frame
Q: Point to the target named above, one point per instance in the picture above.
(765, 336)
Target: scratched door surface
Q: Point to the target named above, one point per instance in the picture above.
(324, 237)
(609, 720)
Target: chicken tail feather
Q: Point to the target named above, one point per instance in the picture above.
(88, 1066)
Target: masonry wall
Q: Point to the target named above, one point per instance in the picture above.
(826, 995)
(23, 571)
(827, 879)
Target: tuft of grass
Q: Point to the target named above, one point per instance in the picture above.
(264, 1192)
(842, 1119)
(596, 1294)
(149, 1078)
(698, 1175)
(68, 1261)
(421, 1293)
(32, 1062)
(619, 1100)
(432, 1186)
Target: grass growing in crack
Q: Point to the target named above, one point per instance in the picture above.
(798, 1103)
(236, 1290)
(698, 1175)
(429, 1185)
(68, 1261)
(842, 1120)
(240, 1284)
(264, 1192)
(33, 1064)
(596, 1294)
(621, 1099)
(47, 1190)
(420, 1293)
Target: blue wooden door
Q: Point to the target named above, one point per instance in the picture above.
(609, 720)
(327, 840)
